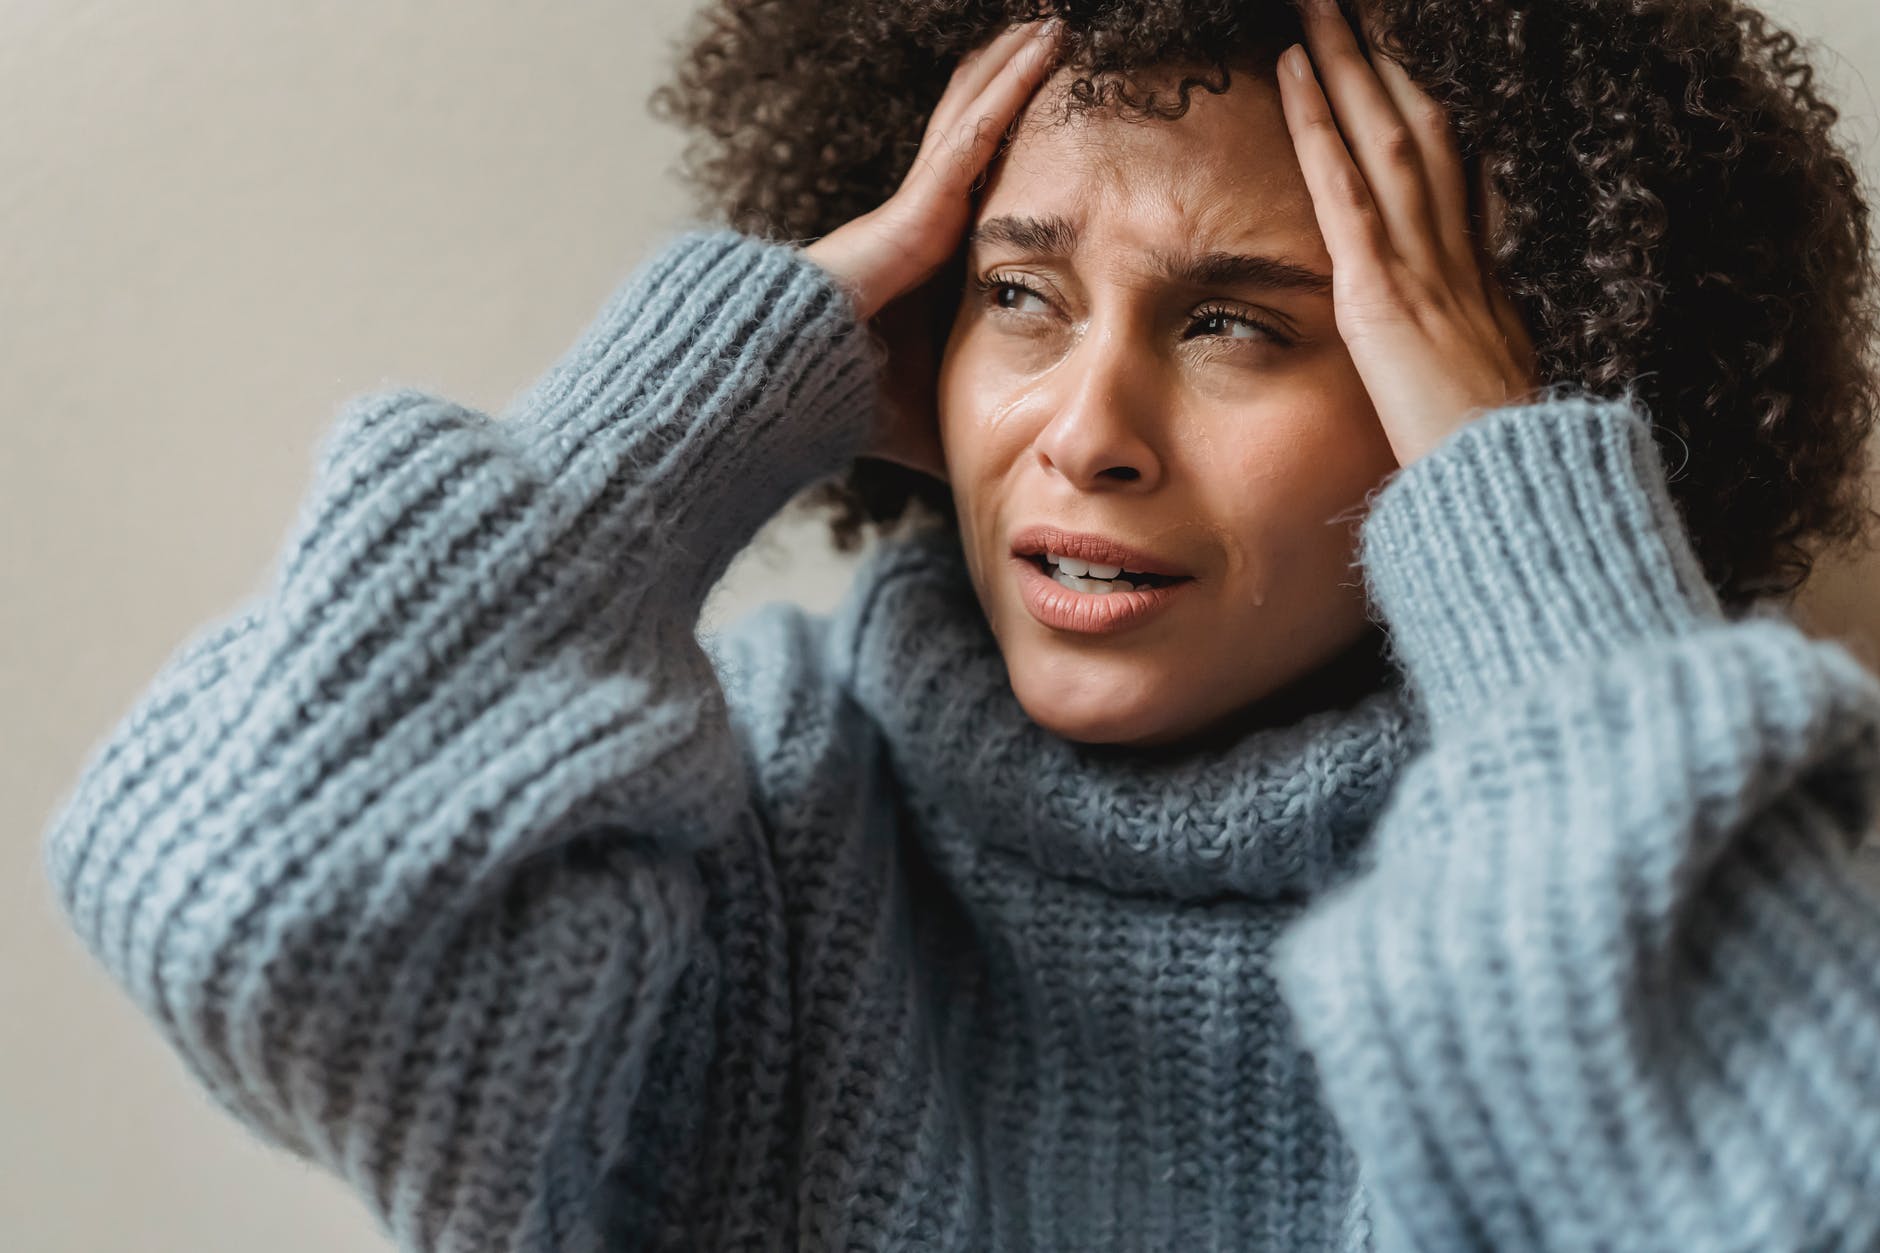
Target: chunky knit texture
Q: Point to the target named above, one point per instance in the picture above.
(458, 862)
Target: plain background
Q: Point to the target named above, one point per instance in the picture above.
(220, 220)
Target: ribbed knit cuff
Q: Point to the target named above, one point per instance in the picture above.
(723, 376)
(1534, 536)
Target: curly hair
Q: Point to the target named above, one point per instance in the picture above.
(1679, 220)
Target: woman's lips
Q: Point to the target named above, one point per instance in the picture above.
(1088, 546)
(1089, 613)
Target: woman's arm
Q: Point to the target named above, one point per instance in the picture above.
(398, 856)
(1605, 980)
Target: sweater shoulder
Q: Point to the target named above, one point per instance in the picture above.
(804, 740)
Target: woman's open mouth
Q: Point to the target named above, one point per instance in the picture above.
(1085, 576)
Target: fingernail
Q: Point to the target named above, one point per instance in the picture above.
(1294, 58)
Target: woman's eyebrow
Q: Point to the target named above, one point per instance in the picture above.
(1230, 269)
(1053, 235)
(1050, 235)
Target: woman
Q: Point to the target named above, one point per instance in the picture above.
(1428, 849)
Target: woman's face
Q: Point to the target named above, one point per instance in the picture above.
(1145, 352)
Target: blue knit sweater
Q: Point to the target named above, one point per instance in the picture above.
(459, 862)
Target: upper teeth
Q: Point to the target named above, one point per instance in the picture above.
(1081, 569)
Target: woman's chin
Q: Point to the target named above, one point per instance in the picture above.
(1093, 712)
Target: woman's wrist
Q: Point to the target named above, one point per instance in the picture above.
(855, 256)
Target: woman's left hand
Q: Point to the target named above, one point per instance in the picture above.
(1433, 337)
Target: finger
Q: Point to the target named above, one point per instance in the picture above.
(956, 153)
(1442, 162)
(1348, 216)
(1377, 137)
(1005, 97)
(978, 68)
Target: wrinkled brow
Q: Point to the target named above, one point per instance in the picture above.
(1054, 236)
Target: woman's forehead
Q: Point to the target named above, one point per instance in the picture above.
(1232, 135)
(1226, 167)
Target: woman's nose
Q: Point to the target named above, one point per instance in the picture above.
(1101, 431)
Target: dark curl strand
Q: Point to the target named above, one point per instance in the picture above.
(1679, 219)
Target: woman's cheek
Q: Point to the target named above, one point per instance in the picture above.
(1280, 443)
(955, 403)
(969, 403)
(984, 406)
(1323, 441)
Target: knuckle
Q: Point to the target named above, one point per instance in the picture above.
(1349, 191)
(1419, 303)
(1398, 146)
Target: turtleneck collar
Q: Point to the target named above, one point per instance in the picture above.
(1274, 811)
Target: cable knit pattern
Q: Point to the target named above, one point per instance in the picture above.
(459, 863)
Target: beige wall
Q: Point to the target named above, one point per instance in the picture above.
(217, 220)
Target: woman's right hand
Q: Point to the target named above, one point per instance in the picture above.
(885, 257)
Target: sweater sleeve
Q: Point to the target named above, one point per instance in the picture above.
(399, 857)
(1606, 980)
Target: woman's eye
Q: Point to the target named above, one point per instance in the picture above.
(1006, 294)
(1235, 326)
(1011, 296)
